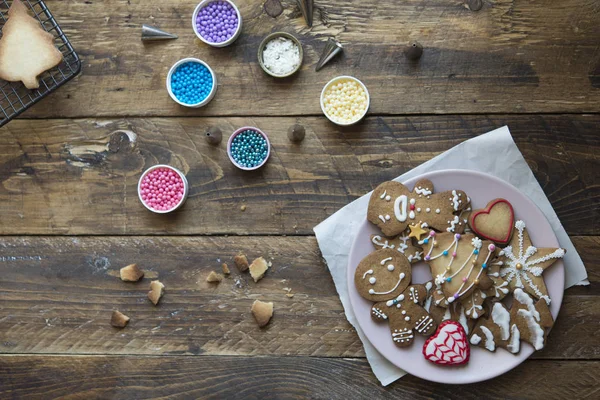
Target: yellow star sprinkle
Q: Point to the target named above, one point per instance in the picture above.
(416, 231)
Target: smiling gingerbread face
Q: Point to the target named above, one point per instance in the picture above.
(382, 275)
(393, 207)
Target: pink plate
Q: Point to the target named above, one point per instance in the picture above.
(483, 364)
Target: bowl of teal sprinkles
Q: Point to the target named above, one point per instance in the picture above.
(191, 83)
(248, 148)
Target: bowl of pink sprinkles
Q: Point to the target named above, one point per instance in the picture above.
(162, 189)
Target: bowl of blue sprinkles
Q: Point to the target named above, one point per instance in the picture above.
(248, 148)
(191, 83)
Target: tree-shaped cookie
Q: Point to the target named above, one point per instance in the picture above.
(26, 49)
(527, 320)
(382, 275)
(523, 264)
(393, 207)
(406, 315)
(458, 262)
(402, 243)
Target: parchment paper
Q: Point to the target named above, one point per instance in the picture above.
(336, 233)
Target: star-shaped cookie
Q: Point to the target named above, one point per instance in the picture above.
(523, 264)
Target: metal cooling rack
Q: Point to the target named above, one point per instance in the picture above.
(14, 96)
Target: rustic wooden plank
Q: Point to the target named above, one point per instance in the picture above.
(91, 377)
(519, 57)
(80, 176)
(58, 294)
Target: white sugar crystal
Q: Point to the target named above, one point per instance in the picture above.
(281, 56)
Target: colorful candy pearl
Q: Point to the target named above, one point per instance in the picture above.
(191, 83)
(249, 148)
(217, 22)
(162, 189)
(345, 101)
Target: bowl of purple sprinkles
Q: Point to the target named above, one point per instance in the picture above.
(217, 23)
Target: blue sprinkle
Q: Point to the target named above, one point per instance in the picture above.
(484, 265)
(426, 240)
(191, 83)
(448, 279)
(248, 148)
(445, 252)
(475, 251)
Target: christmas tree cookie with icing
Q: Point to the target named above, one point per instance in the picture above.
(458, 263)
(382, 275)
(402, 243)
(527, 320)
(523, 264)
(406, 315)
(393, 207)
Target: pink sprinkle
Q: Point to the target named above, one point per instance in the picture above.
(491, 247)
(465, 279)
(427, 258)
(432, 233)
(162, 189)
(453, 254)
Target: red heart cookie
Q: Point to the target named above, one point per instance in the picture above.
(448, 345)
(494, 222)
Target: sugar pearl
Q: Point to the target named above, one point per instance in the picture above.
(162, 189)
(345, 101)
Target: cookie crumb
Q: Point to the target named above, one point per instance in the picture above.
(241, 262)
(131, 273)
(290, 295)
(118, 319)
(214, 277)
(258, 268)
(262, 312)
(243, 207)
(225, 268)
(156, 291)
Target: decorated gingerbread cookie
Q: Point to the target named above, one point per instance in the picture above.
(402, 243)
(458, 262)
(449, 312)
(382, 275)
(473, 303)
(448, 345)
(393, 207)
(527, 320)
(405, 315)
(523, 264)
(494, 222)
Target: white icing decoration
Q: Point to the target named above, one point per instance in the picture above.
(453, 224)
(414, 295)
(388, 198)
(454, 200)
(383, 194)
(372, 280)
(387, 217)
(418, 209)
(476, 242)
(424, 323)
(400, 208)
(398, 299)
(377, 241)
(407, 318)
(379, 314)
(510, 272)
(369, 272)
(382, 219)
(386, 260)
(427, 209)
(501, 317)
(402, 275)
(423, 191)
(489, 338)
(475, 339)
(412, 201)
(515, 340)
(390, 267)
(411, 214)
(536, 333)
(428, 287)
(402, 335)
(403, 312)
(437, 211)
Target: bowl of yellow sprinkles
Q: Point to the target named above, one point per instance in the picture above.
(345, 100)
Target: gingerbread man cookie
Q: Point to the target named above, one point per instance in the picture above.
(523, 264)
(393, 207)
(458, 262)
(382, 275)
(405, 315)
(527, 320)
(402, 243)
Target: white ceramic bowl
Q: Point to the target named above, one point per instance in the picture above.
(185, 188)
(232, 39)
(237, 132)
(335, 80)
(208, 98)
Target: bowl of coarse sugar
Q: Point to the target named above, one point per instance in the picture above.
(280, 54)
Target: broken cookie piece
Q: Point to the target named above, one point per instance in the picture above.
(225, 268)
(156, 291)
(258, 268)
(214, 277)
(131, 273)
(241, 262)
(262, 312)
(118, 319)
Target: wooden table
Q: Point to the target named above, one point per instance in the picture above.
(70, 215)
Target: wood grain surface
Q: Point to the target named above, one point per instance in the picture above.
(102, 377)
(58, 294)
(509, 57)
(80, 176)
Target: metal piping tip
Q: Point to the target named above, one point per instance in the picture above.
(153, 33)
(306, 6)
(414, 51)
(332, 48)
